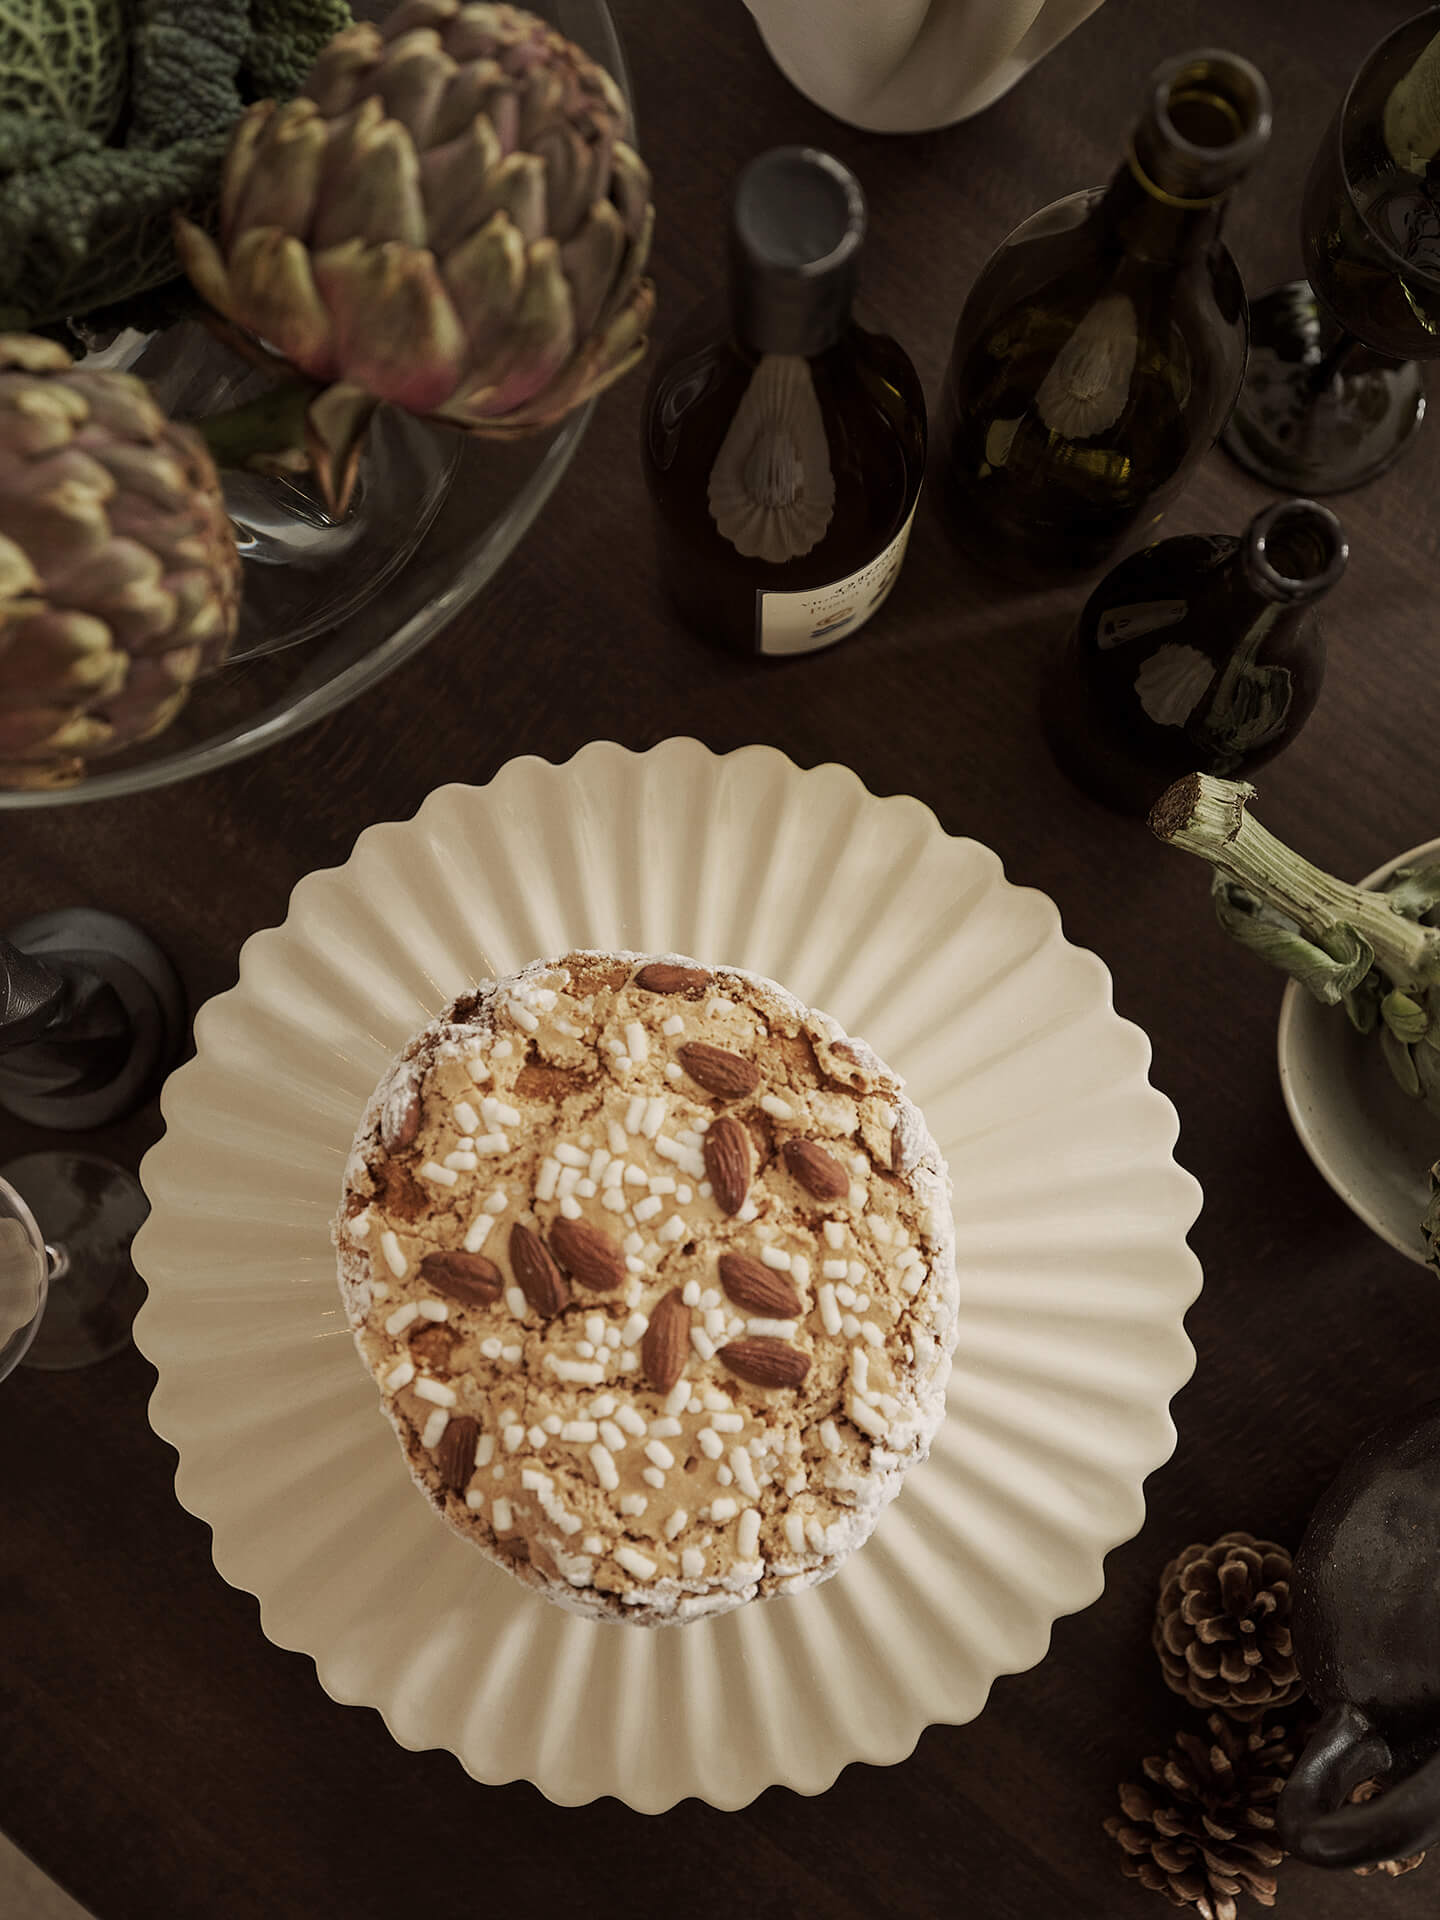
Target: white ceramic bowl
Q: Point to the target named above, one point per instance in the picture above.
(1372, 1142)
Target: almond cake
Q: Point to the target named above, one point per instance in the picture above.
(654, 1270)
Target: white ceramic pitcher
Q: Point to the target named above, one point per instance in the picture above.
(899, 66)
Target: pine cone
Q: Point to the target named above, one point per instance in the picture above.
(1202, 1831)
(1222, 1627)
(1367, 1790)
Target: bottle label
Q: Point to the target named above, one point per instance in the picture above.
(803, 622)
(1119, 624)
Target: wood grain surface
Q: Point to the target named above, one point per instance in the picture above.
(157, 1754)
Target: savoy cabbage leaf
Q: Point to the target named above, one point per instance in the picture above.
(287, 36)
(64, 61)
(89, 179)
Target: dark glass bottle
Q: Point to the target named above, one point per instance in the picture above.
(784, 445)
(1102, 348)
(1201, 654)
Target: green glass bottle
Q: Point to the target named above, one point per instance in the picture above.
(1101, 350)
(1201, 654)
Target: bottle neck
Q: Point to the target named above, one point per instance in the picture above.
(1292, 553)
(796, 231)
(762, 325)
(1205, 121)
(1151, 224)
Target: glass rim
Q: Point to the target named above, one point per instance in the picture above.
(1429, 275)
(254, 734)
(820, 265)
(1272, 520)
(1165, 78)
(21, 1210)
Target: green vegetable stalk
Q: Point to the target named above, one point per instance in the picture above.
(1370, 950)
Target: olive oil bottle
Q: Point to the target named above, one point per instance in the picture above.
(1102, 348)
(784, 444)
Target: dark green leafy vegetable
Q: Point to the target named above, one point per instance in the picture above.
(113, 115)
(285, 40)
(65, 61)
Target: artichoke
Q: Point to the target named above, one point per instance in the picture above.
(448, 217)
(119, 575)
(1373, 950)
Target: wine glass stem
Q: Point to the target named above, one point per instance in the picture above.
(1326, 369)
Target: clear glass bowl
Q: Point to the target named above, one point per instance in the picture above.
(330, 608)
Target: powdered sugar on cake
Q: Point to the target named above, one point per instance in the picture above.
(654, 1270)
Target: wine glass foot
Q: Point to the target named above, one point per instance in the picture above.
(1306, 441)
(89, 1210)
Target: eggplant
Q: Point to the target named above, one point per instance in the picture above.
(1365, 1600)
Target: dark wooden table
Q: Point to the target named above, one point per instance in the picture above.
(157, 1754)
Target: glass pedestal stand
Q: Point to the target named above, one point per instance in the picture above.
(330, 607)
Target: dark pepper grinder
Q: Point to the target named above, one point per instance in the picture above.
(92, 1016)
(1365, 1619)
(1201, 654)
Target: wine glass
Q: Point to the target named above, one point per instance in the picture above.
(68, 1290)
(1333, 394)
(66, 1223)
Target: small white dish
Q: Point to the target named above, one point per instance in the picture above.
(1371, 1141)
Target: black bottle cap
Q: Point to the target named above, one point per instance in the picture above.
(795, 235)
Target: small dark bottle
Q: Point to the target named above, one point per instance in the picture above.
(784, 445)
(1201, 654)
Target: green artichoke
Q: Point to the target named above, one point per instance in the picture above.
(119, 575)
(1373, 950)
(449, 217)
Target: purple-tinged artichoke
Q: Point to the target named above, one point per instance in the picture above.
(119, 576)
(449, 218)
